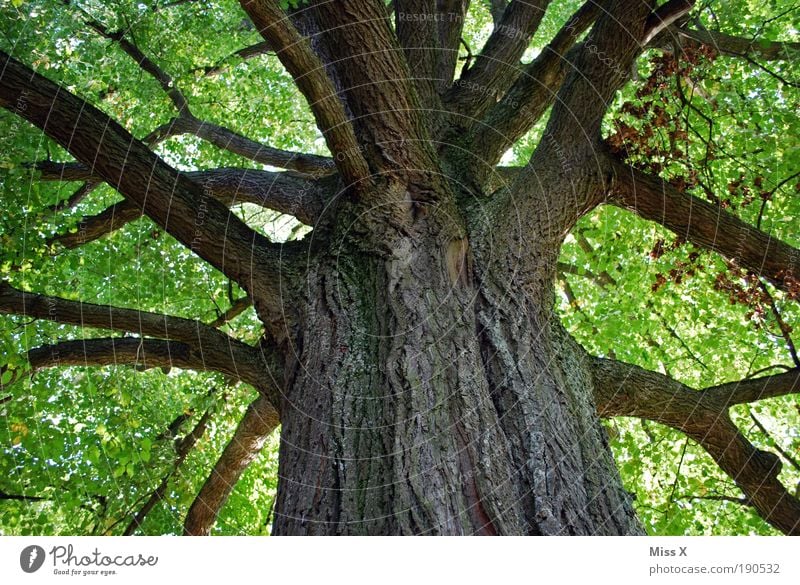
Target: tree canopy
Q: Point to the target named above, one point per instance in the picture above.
(113, 416)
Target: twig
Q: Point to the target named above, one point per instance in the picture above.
(778, 448)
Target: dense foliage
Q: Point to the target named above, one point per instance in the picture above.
(83, 448)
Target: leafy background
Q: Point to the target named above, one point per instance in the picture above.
(83, 448)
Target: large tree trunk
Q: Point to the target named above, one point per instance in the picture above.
(411, 349)
(430, 395)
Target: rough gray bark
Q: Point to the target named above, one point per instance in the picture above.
(411, 350)
(458, 408)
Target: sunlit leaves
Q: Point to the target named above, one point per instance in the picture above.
(722, 128)
(83, 448)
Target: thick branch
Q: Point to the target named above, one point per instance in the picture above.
(496, 8)
(497, 66)
(281, 192)
(309, 75)
(601, 66)
(63, 171)
(625, 390)
(429, 31)
(118, 351)
(418, 33)
(567, 152)
(741, 47)
(451, 24)
(533, 92)
(231, 141)
(285, 193)
(258, 423)
(206, 347)
(753, 389)
(376, 85)
(707, 225)
(59, 310)
(664, 16)
(170, 198)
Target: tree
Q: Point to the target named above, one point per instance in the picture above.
(437, 300)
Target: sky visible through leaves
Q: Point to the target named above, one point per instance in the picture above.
(83, 448)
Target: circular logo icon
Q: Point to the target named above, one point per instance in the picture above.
(31, 558)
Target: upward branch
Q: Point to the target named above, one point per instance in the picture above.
(533, 92)
(309, 75)
(376, 85)
(429, 31)
(452, 14)
(497, 66)
(600, 67)
(259, 421)
(564, 168)
(418, 33)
